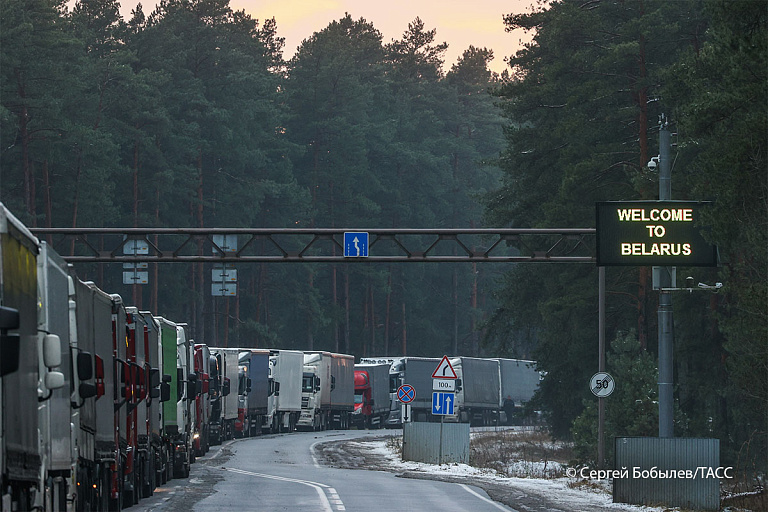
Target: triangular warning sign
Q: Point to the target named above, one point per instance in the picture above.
(444, 370)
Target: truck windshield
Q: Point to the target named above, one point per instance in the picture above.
(307, 383)
(358, 398)
(393, 383)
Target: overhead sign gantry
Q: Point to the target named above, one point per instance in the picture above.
(324, 245)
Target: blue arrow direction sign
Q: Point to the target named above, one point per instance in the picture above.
(355, 244)
(406, 393)
(442, 404)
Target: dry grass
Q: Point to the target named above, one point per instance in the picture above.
(519, 453)
(395, 443)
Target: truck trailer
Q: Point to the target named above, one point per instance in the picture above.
(99, 452)
(478, 398)
(224, 405)
(396, 375)
(255, 366)
(284, 403)
(342, 390)
(519, 382)
(21, 457)
(417, 371)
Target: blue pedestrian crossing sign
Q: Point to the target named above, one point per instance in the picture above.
(442, 404)
(355, 244)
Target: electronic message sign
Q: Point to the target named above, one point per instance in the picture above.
(652, 233)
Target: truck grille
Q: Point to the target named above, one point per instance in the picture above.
(305, 402)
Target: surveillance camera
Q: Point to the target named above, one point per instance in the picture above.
(653, 163)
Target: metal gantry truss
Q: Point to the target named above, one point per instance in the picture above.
(323, 245)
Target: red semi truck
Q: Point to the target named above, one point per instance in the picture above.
(371, 395)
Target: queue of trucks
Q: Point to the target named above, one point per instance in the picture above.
(487, 390)
(101, 402)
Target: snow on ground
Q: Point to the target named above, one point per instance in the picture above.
(564, 490)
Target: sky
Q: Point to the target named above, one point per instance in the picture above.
(460, 23)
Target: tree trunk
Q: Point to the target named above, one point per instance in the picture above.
(310, 337)
(373, 318)
(48, 205)
(473, 311)
(387, 313)
(79, 168)
(346, 311)
(403, 336)
(455, 335)
(24, 138)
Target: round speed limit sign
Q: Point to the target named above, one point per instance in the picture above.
(601, 384)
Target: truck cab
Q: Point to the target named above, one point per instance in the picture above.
(363, 410)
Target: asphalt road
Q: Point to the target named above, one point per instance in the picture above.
(279, 472)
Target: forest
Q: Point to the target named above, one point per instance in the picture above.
(192, 116)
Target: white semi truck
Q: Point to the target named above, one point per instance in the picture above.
(315, 391)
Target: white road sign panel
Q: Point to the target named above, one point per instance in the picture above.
(601, 384)
(444, 384)
(444, 370)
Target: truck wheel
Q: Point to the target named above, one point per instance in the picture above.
(105, 479)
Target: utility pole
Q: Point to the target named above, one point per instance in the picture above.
(666, 339)
(601, 367)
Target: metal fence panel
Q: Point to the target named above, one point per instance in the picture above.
(422, 442)
(685, 464)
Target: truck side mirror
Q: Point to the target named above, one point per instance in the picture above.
(54, 380)
(166, 378)
(192, 386)
(333, 382)
(51, 351)
(154, 377)
(277, 389)
(10, 349)
(86, 390)
(10, 344)
(317, 383)
(165, 392)
(84, 366)
(248, 385)
(9, 318)
(226, 387)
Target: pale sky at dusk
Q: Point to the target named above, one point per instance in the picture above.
(459, 23)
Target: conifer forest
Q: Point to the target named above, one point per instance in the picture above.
(194, 114)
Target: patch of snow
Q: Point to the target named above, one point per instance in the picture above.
(564, 490)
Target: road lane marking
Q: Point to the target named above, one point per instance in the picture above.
(320, 488)
(312, 453)
(500, 507)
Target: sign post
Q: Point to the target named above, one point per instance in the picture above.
(444, 378)
(405, 395)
